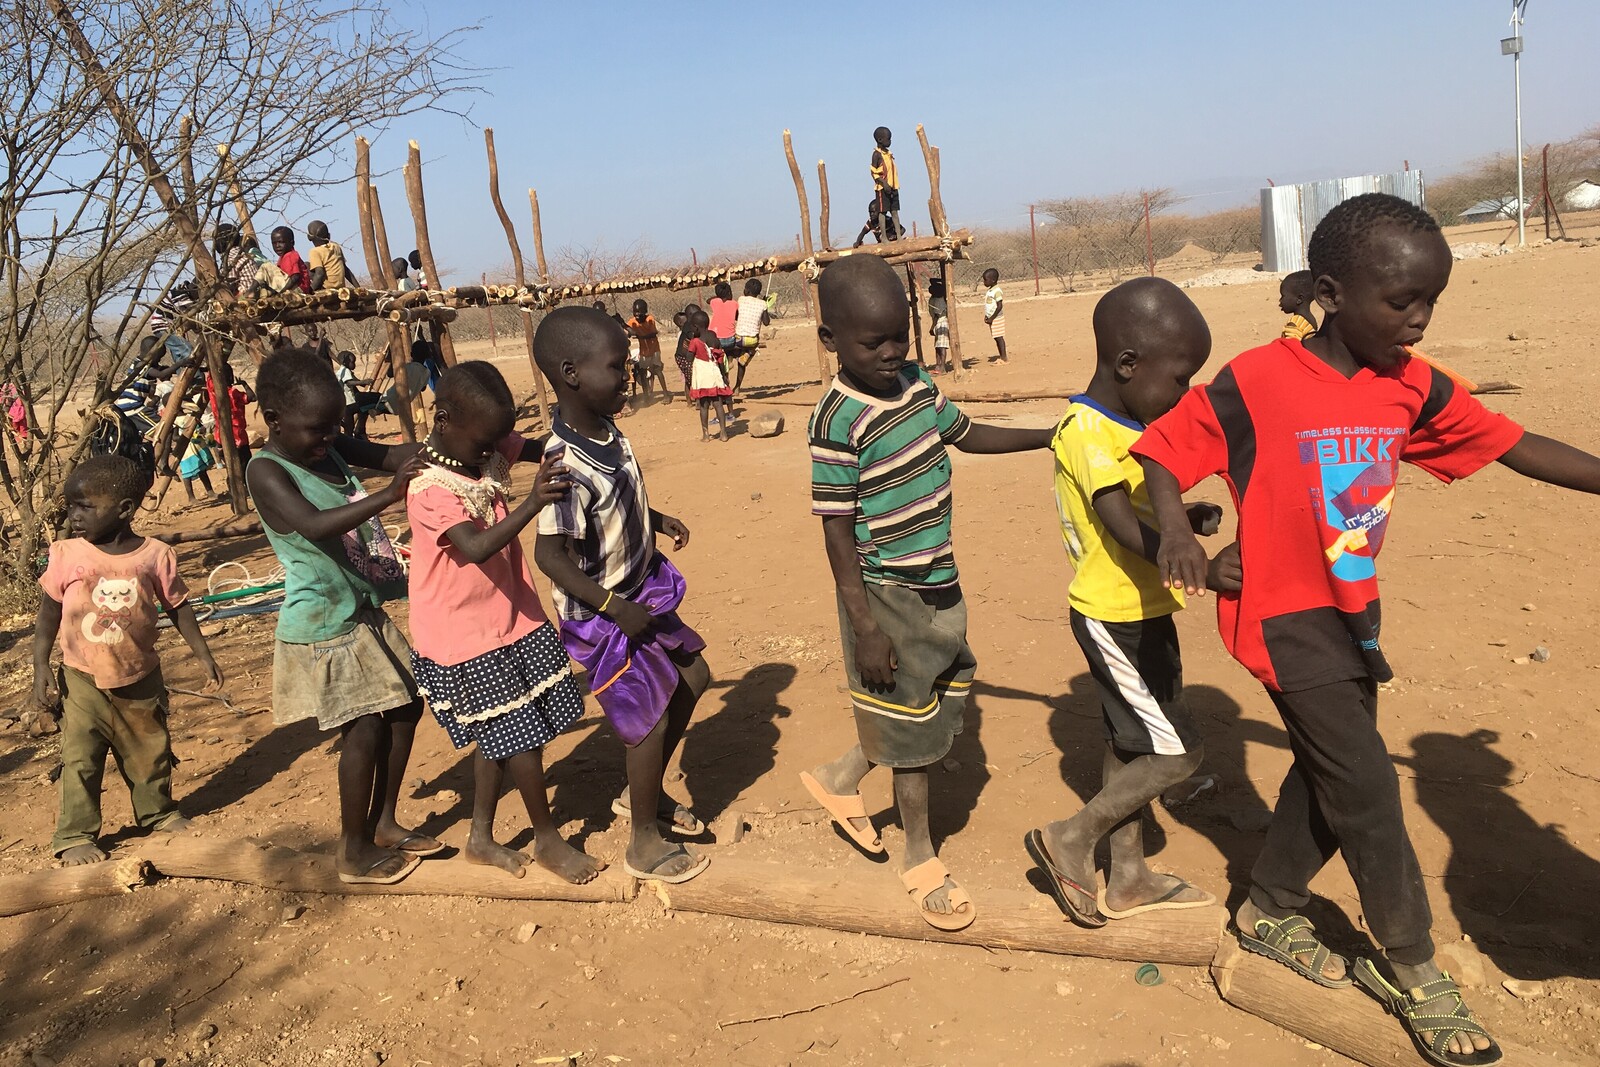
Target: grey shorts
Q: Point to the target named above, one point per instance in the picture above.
(363, 672)
(914, 723)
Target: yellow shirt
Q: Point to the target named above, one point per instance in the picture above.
(1298, 328)
(1110, 583)
(330, 257)
(884, 174)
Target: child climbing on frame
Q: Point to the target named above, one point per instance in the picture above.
(616, 595)
(707, 384)
(100, 596)
(486, 658)
(881, 484)
(1310, 436)
(338, 658)
(1150, 339)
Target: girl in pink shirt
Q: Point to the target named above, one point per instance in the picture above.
(490, 664)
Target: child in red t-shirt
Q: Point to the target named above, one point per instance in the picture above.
(1309, 437)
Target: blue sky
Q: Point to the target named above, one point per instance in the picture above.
(662, 122)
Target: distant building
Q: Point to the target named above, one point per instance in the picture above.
(1585, 196)
(1289, 213)
(1490, 210)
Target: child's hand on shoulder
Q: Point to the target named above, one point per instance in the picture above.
(413, 466)
(632, 619)
(551, 483)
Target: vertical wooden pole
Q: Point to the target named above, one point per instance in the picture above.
(822, 186)
(235, 192)
(694, 265)
(941, 227)
(824, 362)
(376, 244)
(1149, 245)
(916, 311)
(538, 239)
(1033, 228)
(518, 269)
(419, 215)
(222, 385)
(186, 168)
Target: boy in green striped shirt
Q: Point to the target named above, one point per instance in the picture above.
(881, 483)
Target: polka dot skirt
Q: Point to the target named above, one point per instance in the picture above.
(508, 701)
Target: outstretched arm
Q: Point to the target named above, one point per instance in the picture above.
(982, 439)
(1556, 462)
(479, 543)
(1115, 509)
(375, 457)
(286, 510)
(875, 656)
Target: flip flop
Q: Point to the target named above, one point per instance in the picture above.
(1060, 884)
(400, 846)
(923, 880)
(1434, 1007)
(1162, 903)
(670, 879)
(683, 820)
(1284, 939)
(843, 807)
(368, 878)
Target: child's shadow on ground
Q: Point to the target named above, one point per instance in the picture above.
(266, 757)
(1519, 888)
(728, 751)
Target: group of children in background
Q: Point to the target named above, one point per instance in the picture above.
(1307, 433)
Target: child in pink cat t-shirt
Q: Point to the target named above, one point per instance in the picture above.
(102, 594)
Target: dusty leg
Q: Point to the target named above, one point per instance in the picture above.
(487, 782)
(1000, 347)
(723, 418)
(705, 413)
(358, 761)
(647, 847)
(391, 775)
(550, 850)
(911, 798)
(843, 777)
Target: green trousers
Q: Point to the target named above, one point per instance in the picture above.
(130, 723)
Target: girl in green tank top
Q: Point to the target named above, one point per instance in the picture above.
(338, 657)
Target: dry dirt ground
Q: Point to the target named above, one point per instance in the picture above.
(1497, 754)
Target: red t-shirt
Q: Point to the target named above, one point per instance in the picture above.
(241, 428)
(1312, 459)
(294, 265)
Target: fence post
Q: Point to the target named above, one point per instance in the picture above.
(700, 291)
(494, 345)
(1544, 189)
(1149, 246)
(1033, 227)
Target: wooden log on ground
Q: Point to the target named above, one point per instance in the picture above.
(870, 900)
(419, 215)
(1006, 396)
(22, 893)
(1348, 1021)
(215, 533)
(518, 268)
(292, 871)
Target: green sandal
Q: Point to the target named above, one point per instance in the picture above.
(1285, 939)
(1434, 1007)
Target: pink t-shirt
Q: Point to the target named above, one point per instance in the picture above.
(724, 313)
(461, 610)
(109, 606)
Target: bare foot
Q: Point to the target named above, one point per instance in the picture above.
(485, 851)
(1124, 893)
(175, 825)
(560, 858)
(78, 855)
(1245, 918)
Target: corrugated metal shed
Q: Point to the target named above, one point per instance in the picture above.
(1290, 212)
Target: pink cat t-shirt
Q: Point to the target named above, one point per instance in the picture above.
(109, 606)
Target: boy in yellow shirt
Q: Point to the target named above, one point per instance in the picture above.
(1150, 339)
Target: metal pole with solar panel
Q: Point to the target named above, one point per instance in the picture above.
(1512, 46)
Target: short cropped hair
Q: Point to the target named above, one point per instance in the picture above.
(752, 287)
(116, 477)
(724, 291)
(475, 385)
(1341, 238)
(293, 376)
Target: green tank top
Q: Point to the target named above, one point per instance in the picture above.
(327, 583)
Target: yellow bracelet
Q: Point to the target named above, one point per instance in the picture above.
(607, 602)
